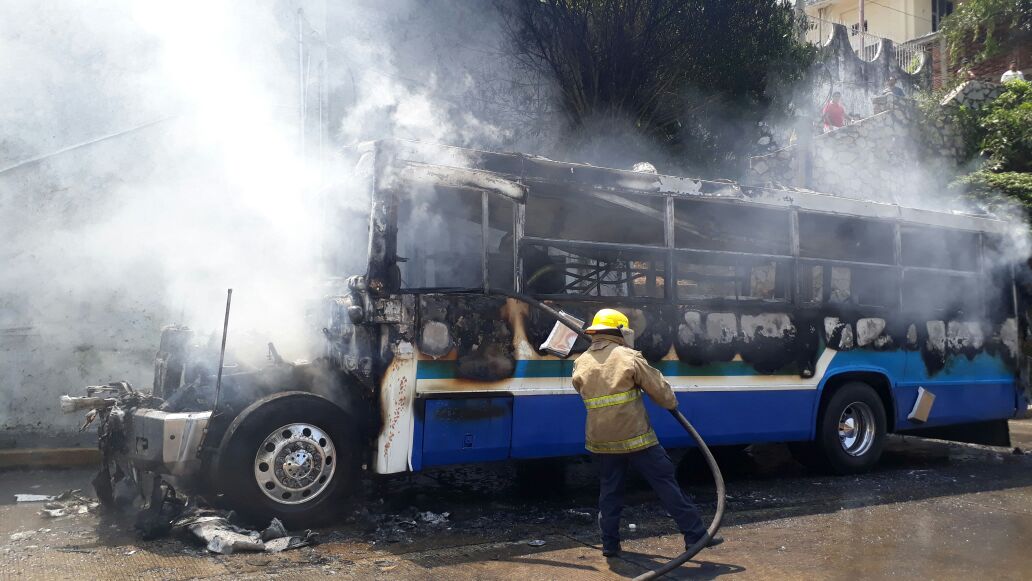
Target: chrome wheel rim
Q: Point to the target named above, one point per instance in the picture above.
(856, 428)
(295, 463)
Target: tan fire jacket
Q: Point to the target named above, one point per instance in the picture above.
(611, 378)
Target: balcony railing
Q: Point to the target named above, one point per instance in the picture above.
(909, 56)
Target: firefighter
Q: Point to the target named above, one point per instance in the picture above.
(612, 377)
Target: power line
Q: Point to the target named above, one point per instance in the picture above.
(900, 11)
(40, 158)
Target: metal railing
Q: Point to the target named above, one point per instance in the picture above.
(909, 55)
(819, 31)
(913, 54)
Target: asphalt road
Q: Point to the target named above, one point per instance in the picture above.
(934, 510)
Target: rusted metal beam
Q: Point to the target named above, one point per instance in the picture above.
(897, 258)
(519, 224)
(670, 237)
(485, 214)
(461, 178)
(795, 288)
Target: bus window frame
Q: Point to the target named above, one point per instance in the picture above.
(671, 253)
(576, 245)
(391, 239)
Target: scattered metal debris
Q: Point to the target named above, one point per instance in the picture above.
(536, 543)
(220, 536)
(398, 527)
(275, 530)
(434, 518)
(33, 497)
(68, 503)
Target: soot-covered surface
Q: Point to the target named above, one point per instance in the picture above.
(933, 510)
(476, 330)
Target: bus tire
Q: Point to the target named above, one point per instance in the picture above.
(288, 456)
(851, 429)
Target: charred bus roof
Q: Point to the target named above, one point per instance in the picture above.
(516, 175)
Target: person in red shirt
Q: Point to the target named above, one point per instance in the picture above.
(834, 114)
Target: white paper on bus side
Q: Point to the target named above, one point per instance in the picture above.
(560, 341)
(923, 405)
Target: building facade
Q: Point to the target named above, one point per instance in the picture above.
(897, 20)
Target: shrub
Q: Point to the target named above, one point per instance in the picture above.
(997, 189)
(1006, 128)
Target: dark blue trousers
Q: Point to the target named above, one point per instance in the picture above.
(654, 464)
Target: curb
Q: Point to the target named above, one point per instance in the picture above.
(49, 457)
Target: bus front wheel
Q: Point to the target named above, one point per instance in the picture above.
(287, 456)
(851, 429)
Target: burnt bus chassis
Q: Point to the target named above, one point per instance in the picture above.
(317, 423)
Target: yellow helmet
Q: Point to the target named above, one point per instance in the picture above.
(608, 320)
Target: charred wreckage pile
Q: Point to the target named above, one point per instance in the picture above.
(155, 445)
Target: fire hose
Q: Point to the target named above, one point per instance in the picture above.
(718, 478)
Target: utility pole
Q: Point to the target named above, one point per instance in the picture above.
(800, 13)
(301, 79)
(860, 25)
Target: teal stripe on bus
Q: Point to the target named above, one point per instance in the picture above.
(679, 369)
(554, 368)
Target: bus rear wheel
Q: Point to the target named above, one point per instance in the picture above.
(287, 456)
(851, 429)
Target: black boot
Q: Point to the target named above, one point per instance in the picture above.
(714, 541)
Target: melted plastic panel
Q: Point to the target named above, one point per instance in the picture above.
(471, 330)
(483, 338)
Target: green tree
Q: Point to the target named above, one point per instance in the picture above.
(999, 138)
(691, 78)
(987, 26)
(1006, 126)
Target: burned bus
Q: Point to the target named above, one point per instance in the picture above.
(777, 315)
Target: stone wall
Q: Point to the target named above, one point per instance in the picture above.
(972, 94)
(840, 69)
(864, 160)
(780, 168)
(893, 156)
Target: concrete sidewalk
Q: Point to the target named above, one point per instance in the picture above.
(48, 457)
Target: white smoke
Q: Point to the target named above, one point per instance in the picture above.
(107, 242)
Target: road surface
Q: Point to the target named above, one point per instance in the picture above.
(933, 510)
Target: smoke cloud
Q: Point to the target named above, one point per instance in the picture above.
(196, 172)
